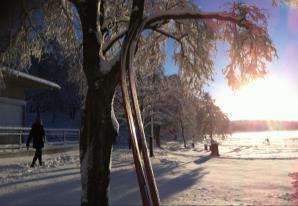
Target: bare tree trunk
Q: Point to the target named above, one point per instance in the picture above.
(157, 135)
(99, 130)
(211, 132)
(99, 125)
(175, 134)
(129, 143)
(151, 138)
(183, 137)
(182, 132)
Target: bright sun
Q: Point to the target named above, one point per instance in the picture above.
(264, 99)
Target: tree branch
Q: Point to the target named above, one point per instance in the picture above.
(109, 22)
(154, 122)
(189, 14)
(76, 3)
(110, 43)
(69, 18)
(168, 34)
(31, 24)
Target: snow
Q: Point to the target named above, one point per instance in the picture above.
(106, 65)
(257, 175)
(22, 75)
(21, 185)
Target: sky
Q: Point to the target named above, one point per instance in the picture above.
(276, 96)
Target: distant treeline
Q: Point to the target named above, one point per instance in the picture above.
(262, 125)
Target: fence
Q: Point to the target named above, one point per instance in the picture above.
(16, 137)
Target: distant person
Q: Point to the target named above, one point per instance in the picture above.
(267, 141)
(205, 143)
(38, 135)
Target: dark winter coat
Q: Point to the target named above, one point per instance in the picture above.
(37, 134)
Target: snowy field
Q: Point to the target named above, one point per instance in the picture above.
(249, 172)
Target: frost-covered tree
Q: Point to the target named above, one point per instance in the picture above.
(192, 113)
(93, 34)
(214, 122)
(149, 76)
(68, 100)
(179, 102)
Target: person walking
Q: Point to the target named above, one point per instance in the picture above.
(38, 135)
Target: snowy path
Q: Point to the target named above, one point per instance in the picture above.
(184, 177)
(54, 184)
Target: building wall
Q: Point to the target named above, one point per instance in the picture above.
(11, 112)
(13, 91)
(11, 115)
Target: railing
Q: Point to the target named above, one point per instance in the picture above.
(16, 137)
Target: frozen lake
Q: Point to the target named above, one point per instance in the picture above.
(267, 134)
(280, 144)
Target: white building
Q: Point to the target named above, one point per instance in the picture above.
(12, 97)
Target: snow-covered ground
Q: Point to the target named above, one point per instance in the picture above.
(57, 181)
(253, 173)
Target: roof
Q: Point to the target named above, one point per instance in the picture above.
(28, 80)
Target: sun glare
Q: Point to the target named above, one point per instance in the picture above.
(265, 99)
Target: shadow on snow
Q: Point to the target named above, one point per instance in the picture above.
(294, 195)
(169, 179)
(55, 193)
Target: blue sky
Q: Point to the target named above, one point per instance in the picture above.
(275, 96)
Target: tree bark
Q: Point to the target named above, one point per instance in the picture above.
(98, 132)
(99, 125)
(183, 137)
(151, 138)
(182, 132)
(129, 143)
(157, 135)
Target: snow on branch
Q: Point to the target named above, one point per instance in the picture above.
(190, 14)
(244, 27)
(31, 24)
(110, 43)
(168, 34)
(107, 65)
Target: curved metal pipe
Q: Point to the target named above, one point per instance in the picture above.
(131, 126)
(127, 55)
